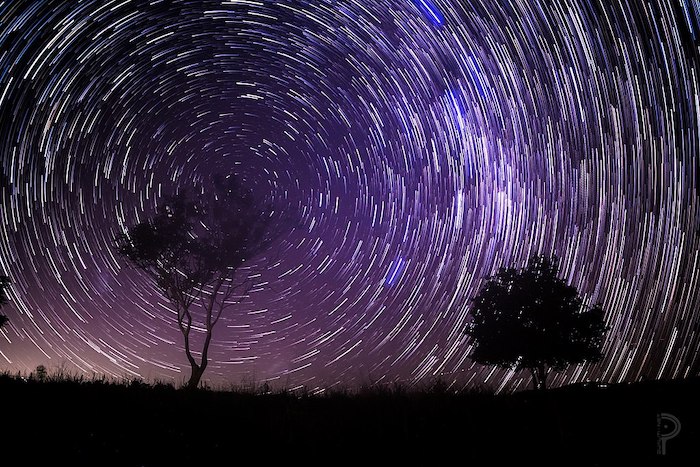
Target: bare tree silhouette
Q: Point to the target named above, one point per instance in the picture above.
(193, 249)
(531, 319)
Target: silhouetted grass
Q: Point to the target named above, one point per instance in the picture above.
(103, 421)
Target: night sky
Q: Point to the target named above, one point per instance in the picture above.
(423, 143)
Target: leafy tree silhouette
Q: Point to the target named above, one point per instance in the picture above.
(5, 283)
(193, 249)
(531, 319)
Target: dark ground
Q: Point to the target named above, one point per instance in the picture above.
(97, 423)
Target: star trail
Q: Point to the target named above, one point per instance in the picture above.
(425, 144)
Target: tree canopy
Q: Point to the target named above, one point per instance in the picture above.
(531, 319)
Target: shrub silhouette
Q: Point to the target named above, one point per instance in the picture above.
(41, 373)
(531, 319)
(5, 283)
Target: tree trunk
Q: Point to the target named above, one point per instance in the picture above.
(197, 370)
(543, 376)
(535, 379)
(539, 377)
(195, 377)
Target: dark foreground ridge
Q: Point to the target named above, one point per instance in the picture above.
(99, 423)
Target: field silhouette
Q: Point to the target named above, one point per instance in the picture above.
(98, 422)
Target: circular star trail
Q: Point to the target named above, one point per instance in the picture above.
(424, 143)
